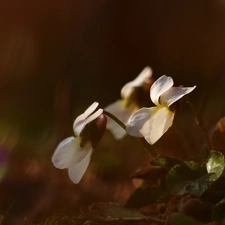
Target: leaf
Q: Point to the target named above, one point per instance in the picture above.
(191, 177)
(215, 165)
(113, 211)
(188, 177)
(180, 218)
(164, 161)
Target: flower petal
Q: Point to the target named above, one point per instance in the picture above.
(160, 86)
(174, 94)
(77, 171)
(138, 119)
(128, 88)
(94, 116)
(80, 122)
(158, 124)
(150, 123)
(123, 113)
(69, 152)
(88, 120)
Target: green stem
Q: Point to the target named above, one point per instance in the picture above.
(199, 122)
(144, 143)
(119, 122)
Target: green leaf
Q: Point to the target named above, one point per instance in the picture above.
(164, 161)
(112, 211)
(180, 218)
(215, 164)
(188, 177)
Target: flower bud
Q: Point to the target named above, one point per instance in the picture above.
(98, 129)
(94, 131)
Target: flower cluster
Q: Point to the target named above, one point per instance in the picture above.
(151, 123)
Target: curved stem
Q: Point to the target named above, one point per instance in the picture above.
(144, 143)
(199, 122)
(119, 122)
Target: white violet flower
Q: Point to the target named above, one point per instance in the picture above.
(125, 107)
(152, 123)
(71, 153)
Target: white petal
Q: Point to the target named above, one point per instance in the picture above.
(77, 171)
(137, 121)
(174, 94)
(91, 109)
(151, 123)
(158, 124)
(94, 116)
(69, 152)
(137, 82)
(123, 113)
(160, 86)
(80, 122)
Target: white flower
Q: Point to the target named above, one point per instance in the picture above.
(125, 107)
(69, 153)
(152, 123)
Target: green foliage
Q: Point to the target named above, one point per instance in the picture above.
(187, 177)
(164, 161)
(114, 212)
(194, 178)
(215, 164)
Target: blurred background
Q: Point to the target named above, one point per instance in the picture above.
(57, 57)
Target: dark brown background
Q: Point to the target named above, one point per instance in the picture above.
(97, 46)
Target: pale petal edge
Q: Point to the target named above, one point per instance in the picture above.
(137, 121)
(160, 86)
(127, 89)
(79, 122)
(69, 152)
(150, 123)
(174, 94)
(62, 157)
(77, 171)
(159, 123)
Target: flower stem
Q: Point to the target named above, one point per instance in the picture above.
(119, 122)
(144, 143)
(199, 122)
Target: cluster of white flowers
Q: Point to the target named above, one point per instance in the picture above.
(150, 123)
